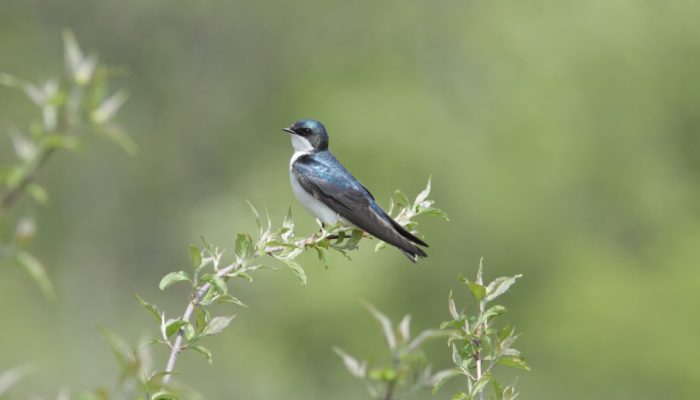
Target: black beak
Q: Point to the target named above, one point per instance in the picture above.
(289, 130)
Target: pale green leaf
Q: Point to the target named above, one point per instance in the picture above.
(73, 55)
(385, 323)
(441, 377)
(152, 309)
(38, 193)
(172, 278)
(296, 268)
(356, 368)
(109, 107)
(499, 286)
(125, 357)
(217, 325)
(203, 351)
(425, 193)
(195, 256)
(173, 326)
(36, 270)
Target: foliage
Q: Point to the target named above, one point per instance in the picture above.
(209, 276)
(208, 281)
(478, 347)
(409, 371)
(78, 104)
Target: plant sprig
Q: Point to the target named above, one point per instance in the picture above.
(210, 275)
(478, 347)
(409, 371)
(71, 107)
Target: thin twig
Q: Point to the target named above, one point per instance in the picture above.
(12, 195)
(480, 329)
(176, 346)
(391, 385)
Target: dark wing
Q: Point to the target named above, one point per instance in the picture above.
(333, 185)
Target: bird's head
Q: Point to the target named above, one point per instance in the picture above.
(308, 135)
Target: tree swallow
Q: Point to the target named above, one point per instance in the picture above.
(330, 193)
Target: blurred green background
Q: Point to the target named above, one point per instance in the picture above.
(562, 137)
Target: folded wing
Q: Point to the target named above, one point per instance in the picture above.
(333, 185)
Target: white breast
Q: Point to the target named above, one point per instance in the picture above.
(314, 206)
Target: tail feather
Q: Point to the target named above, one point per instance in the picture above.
(407, 246)
(405, 233)
(414, 253)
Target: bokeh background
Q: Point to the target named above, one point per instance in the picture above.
(562, 137)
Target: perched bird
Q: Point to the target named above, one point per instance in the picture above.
(330, 193)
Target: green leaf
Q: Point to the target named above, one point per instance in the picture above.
(37, 272)
(379, 246)
(164, 395)
(452, 307)
(499, 286)
(424, 336)
(296, 268)
(201, 318)
(120, 137)
(227, 298)
(404, 328)
(195, 256)
(479, 291)
(125, 357)
(517, 362)
(441, 377)
(497, 389)
(424, 194)
(73, 55)
(217, 325)
(382, 374)
(203, 351)
(152, 309)
(322, 255)
(172, 278)
(189, 332)
(218, 284)
(109, 107)
(356, 368)
(258, 223)
(493, 312)
(244, 246)
(61, 142)
(385, 323)
(172, 327)
(401, 199)
(288, 220)
(85, 70)
(244, 275)
(480, 272)
(480, 384)
(435, 212)
(461, 396)
(38, 193)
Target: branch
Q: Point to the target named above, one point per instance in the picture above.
(177, 345)
(202, 290)
(12, 195)
(281, 244)
(480, 330)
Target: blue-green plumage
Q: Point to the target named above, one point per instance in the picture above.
(329, 192)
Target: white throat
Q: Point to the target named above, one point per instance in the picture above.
(301, 147)
(301, 144)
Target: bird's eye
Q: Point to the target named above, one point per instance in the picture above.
(306, 131)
